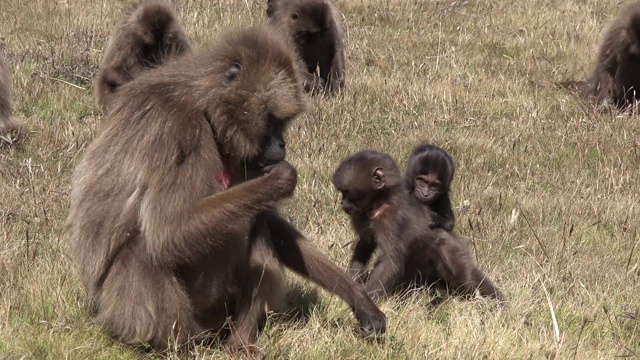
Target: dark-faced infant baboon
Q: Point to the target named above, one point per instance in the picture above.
(173, 211)
(428, 178)
(616, 77)
(149, 36)
(11, 132)
(384, 215)
(315, 28)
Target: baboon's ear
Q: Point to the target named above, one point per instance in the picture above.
(378, 178)
(232, 73)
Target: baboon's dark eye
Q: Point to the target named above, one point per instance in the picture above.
(294, 16)
(112, 84)
(232, 73)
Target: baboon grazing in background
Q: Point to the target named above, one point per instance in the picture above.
(149, 36)
(10, 130)
(315, 28)
(384, 215)
(616, 77)
(173, 211)
(428, 178)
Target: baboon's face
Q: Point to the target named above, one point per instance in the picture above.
(353, 183)
(305, 19)
(273, 146)
(427, 187)
(429, 175)
(355, 200)
(310, 24)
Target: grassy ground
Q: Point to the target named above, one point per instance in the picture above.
(546, 189)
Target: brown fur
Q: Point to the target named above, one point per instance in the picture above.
(11, 132)
(616, 77)
(149, 36)
(315, 28)
(384, 214)
(428, 178)
(166, 250)
(267, 269)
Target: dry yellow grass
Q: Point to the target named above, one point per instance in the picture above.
(546, 189)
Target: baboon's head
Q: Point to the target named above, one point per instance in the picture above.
(429, 173)
(364, 179)
(260, 93)
(304, 19)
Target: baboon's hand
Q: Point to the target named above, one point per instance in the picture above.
(283, 177)
(372, 321)
(335, 88)
(313, 83)
(318, 85)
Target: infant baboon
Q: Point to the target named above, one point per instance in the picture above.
(172, 216)
(315, 28)
(384, 214)
(616, 77)
(149, 36)
(428, 178)
(10, 131)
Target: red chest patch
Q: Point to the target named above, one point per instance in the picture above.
(377, 212)
(224, 178)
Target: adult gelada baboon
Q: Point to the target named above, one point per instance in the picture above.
(315, 28)
(428, 178)
(10, 130)
(173, 218)
(149, 36)
(384, 215)
(616, 77)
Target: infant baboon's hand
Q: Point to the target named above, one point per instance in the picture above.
(283, 177)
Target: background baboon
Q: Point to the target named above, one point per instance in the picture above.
(383, 214)
(616, 76)
(428, 178)
(10, 130)
(149, 36)
(315, 27)
(173, 222)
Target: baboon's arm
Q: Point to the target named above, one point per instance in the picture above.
(337, 74)
(362, 252)
(212, 221)
(300, 255)
(387, 273)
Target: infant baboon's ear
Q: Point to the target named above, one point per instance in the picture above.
(378, 178)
